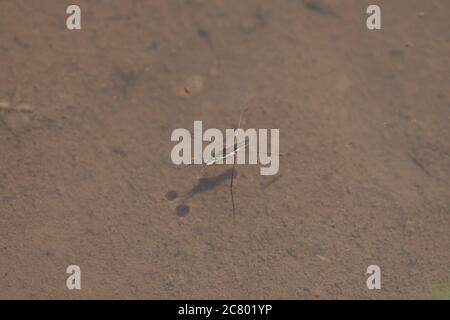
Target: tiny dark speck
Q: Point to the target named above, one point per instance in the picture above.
(317, 6)
(203, 33)
(182, 210)
(118, 151)
(171, 195)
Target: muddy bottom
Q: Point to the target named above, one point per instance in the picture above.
(86, 176)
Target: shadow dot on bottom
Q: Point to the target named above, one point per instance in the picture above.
(182, 210)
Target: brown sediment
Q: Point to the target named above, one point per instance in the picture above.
(85, 164)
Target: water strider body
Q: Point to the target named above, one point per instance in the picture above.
(227, 152)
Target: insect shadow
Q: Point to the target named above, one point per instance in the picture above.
(203, 185)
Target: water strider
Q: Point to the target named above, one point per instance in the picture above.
(214, 155)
